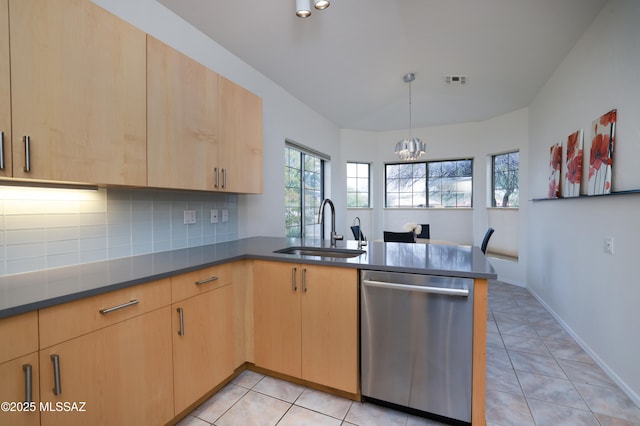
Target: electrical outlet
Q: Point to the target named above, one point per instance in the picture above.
(608, 245)
(189, 217)
(214, 215)
(225, 215)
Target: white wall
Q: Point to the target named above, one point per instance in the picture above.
(595, 294)
(468, 140)
(284, 117)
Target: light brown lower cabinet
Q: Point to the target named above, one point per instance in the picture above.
(306, 322)
(14, 390)
(19, 369)
(202, 344)
(148, 361)
(118, 375)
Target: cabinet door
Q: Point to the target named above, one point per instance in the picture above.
(277, 317)
(5, 92)
(182, 119)
(78, 91)
(203, 347)
(122, 372)
(240, 138)
(13, 389)
(243, 312)
(330, 327)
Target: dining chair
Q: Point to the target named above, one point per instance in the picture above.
(399, 237)
(485, 241)
(425, 231)
(357, 232)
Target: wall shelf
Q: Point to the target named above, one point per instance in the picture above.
(612, 194)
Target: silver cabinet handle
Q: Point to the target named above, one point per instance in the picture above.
(57, 387)
(294, 272)
(28, 394)
(181, 316)
(224, 178)
(304, 280)
(421, 289)
(27, 154)
(207, 280)
(215, 172)
(115, 308)
(1, 150)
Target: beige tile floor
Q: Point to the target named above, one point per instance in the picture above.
(536, 375)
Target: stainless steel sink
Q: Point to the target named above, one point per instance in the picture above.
(320, 251)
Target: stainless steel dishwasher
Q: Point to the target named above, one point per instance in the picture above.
(416, 342)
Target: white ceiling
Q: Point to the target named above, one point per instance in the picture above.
(347, 62)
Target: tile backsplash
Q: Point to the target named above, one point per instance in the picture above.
(44, 228)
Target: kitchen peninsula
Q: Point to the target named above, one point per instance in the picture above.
(157, 293)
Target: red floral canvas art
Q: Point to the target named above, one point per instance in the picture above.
(555, 166)
(601, 154)
(573, 165)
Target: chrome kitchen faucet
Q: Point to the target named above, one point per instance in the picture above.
(334, 236)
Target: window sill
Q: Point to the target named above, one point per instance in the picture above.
(428, 208)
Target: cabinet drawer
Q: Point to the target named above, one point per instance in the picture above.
(19, 335)
(200, 281)
(69, 320)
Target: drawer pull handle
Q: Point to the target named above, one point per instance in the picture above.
(28, 394)
(27, 154)
(57, 387)
(207, 280)
(115, 308)
(181, 316)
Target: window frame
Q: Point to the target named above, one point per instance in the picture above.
(492, 193)
(303, 206)
(427, 204)
(358, 192)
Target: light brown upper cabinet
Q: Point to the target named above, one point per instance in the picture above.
(5, 92)
(182, 117)
(240, 139)
(78, 93)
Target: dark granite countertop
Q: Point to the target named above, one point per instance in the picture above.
(34, 290)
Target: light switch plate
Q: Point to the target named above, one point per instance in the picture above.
(225, 215)
(214, 215)
(189, 217)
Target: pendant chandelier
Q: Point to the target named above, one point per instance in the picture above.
(409, 149)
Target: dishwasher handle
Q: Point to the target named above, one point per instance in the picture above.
(464, 292)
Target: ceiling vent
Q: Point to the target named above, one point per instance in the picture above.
(455, 79)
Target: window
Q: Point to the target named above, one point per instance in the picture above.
(505, 170)
(406, 185)
(304, 191)
(446, 183)
(358, 185)
(450, 183)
